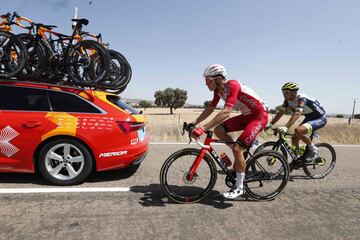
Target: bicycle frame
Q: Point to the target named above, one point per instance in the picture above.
(206, 147)
(282, 141)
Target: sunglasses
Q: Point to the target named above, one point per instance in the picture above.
(286, 92)
(209, 79)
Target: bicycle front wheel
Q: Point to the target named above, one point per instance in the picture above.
(13, 55)
(264, 181)
(174, 176)
(324, 162)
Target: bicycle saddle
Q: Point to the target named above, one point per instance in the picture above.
(82, 21)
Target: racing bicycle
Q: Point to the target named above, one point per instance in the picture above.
(189, 175)
(321, 166)
(57, 56)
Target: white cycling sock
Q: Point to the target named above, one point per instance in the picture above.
(239, 179)
(312, 146)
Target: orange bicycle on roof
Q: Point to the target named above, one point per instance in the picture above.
(13, 53)
(63, 57)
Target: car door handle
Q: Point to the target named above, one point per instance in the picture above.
(31, 124)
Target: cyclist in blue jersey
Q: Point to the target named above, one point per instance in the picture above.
(299, 104)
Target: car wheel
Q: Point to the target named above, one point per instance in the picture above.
(65, 162)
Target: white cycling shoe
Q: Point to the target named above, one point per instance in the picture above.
(234, 193)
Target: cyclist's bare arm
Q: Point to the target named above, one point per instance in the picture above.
(206, 113)
(219, 118)
(278, 115)
(296, 115)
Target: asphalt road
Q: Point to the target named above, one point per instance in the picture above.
(307, 209)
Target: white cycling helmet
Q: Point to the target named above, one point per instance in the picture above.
(215, 70)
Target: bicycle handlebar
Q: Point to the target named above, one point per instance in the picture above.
(189, 127)
(276, 132)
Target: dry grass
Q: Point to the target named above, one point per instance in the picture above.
(165, 127)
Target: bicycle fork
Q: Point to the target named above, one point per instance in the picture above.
(195, 165)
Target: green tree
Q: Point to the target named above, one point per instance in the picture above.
(172, 98)
(339, 116)
(144, 104)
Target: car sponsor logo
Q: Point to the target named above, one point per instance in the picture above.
(113, 154)
(6, 135)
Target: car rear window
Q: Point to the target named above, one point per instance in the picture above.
(116, 100)
(65, 102)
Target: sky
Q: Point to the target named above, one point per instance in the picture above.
(261, 43)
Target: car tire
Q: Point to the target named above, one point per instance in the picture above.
(65, 162)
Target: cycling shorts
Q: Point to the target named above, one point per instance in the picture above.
(251, 125)
(313, 124)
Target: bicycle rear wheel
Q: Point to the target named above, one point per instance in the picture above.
(174, 173)
(324, 162)
(87, 63)
(13, 55)
(271, 146)
(264, 181)
(119, 73)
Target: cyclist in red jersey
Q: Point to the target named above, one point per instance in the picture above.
(252, 120)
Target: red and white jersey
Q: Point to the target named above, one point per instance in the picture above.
(240, 97)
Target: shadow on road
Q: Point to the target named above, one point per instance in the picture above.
(37, 179)
(302, 177)
(154, 196)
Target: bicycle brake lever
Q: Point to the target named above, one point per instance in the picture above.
(183, 129)
(190, 139)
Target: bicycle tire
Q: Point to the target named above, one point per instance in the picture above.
(118, 91)
(320, 162)
(94, 69)
(13, 55)
(119, 74)
(258, 175)
(38, 58)
(273, 146)
(188, 192)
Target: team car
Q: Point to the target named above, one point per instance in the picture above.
(65, 133)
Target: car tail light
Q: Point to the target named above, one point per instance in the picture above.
(128, 127)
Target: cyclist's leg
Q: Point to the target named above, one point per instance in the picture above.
(237, 123)
(221, 132)
(306, 128)
(253, 126)
(295, 141)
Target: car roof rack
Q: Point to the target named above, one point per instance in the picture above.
(55, 84)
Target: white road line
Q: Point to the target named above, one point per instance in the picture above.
(62, 190)
(194, 143)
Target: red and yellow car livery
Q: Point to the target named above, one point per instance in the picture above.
(66, 132)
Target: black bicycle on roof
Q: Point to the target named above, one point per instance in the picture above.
(119, 73)
(189, 175)
(322, 165)
(13, 53)
(55, 55)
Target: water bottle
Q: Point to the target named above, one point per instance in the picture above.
(225, 159)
